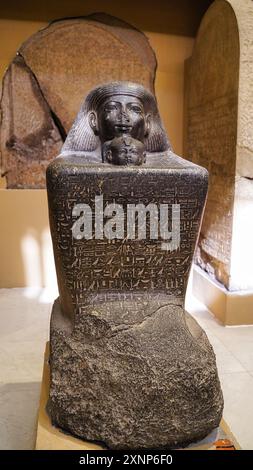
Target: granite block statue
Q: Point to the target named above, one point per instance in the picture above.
(129, 367)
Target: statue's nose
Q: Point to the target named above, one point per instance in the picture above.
(124, 114)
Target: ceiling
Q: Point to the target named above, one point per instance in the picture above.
(180, 17)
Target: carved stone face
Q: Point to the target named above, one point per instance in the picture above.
(122, 115)
(125, 151)
(113, 110)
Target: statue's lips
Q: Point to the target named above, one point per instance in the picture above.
(122, 127)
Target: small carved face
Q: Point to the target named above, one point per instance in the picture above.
(125, 151)
(122, 115)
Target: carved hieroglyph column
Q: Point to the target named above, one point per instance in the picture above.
(219, 136)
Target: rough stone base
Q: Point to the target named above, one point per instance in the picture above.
(133, 374)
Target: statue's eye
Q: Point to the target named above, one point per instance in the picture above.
(135, 108)
(110, 107)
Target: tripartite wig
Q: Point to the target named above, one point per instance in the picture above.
(81, 137)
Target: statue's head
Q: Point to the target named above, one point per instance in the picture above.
(118, 115)
(113, 110)
(124, 150)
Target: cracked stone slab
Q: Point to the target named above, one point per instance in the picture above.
(29, 137)
(53, 72)
(219, 136)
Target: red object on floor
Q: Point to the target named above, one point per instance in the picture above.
(224, 444)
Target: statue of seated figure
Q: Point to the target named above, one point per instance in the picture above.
(129, 367)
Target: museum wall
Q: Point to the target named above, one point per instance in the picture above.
(25, 245)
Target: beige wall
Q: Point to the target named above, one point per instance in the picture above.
(25, 244)
(25, 249)
(171, 52)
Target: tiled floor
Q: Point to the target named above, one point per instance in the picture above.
(24, 323)
(233, 347)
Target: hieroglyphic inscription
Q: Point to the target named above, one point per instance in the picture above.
(212, 144)
(211, 99)
(123, 266)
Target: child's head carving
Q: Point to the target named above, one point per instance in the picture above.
(124, 150)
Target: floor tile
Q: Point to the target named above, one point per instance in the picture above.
(238, 410)
(18, 415)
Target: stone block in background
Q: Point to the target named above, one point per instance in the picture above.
(218, 136)
(45, 84)
(29, 137)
